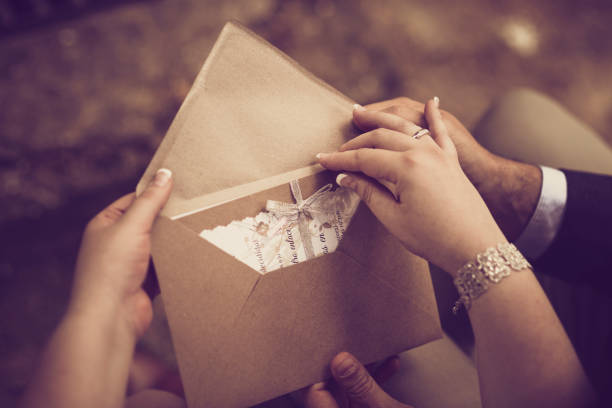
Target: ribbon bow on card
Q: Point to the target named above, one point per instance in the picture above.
(302, 211)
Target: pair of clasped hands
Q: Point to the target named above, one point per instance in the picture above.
(415, 186)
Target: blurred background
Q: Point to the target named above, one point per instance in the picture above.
(88, 89)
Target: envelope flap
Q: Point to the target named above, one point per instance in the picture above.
(252, 113)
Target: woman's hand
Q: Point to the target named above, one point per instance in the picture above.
(510, 189)
(416, 187)
(114, 256)
(87, 360)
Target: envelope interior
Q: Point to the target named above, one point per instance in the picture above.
(363, 242)
(250, 206)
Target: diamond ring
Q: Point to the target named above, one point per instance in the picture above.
(420, 133)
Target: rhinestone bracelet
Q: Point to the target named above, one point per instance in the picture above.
(492, 265)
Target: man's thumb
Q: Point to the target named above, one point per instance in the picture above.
(357, 383)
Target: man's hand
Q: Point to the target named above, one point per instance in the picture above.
(353, 386)
(511, 189)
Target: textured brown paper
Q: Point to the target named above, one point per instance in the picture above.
(253, 121)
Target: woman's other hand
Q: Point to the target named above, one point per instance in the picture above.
(416, 187)
(114, 256)
(88, 358)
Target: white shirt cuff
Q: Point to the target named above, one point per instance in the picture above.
(547, 217)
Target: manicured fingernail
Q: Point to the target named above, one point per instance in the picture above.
(436, 101)
(320, 156)
(162, 177)
(339, 178)
(358, 107)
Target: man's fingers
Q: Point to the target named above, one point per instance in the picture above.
(145, 208)
(370, 119)
(380, 139)
(356, 382)
(438, 129)
(376, 163)
(386, 369)
(401, 101)
(414, 115)
(317, 396)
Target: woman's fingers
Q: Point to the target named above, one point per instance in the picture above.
(376, 163)
(145, 208)
(369, 120)
(113, 212)
(437, 127)
(380, 139)
(376, 196)
(122, 203)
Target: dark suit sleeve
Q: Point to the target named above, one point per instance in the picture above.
(582, 250)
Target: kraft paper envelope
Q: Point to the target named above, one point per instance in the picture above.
(251, 123)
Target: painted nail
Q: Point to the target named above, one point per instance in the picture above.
(339, 178)
(436, 101)
(358, 107)
(320, 156)
(162, 177)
